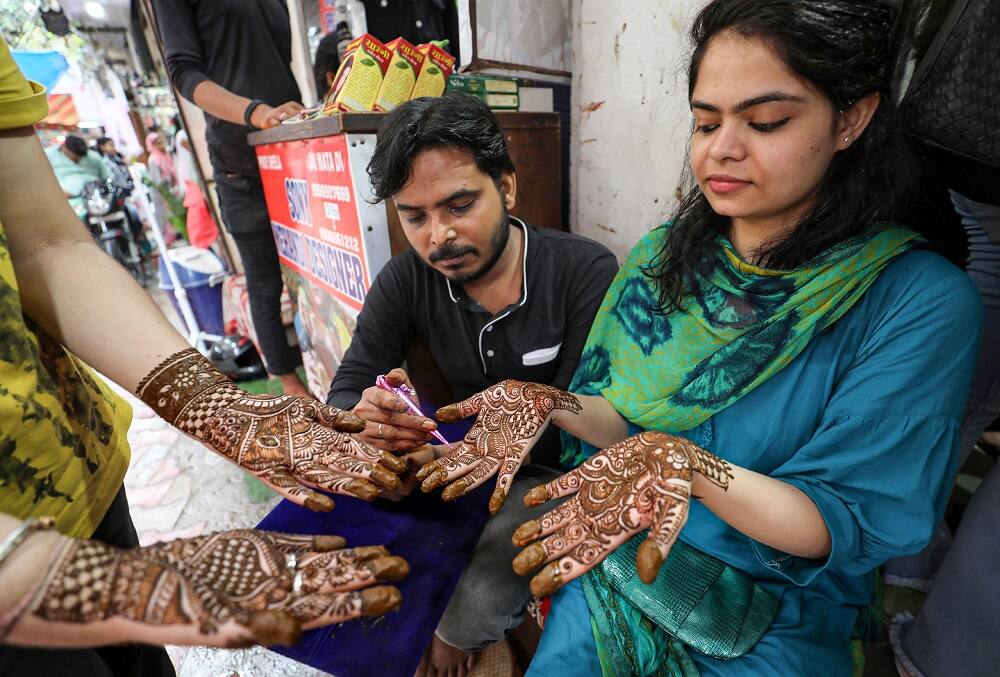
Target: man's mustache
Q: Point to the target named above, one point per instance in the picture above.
(452, 252)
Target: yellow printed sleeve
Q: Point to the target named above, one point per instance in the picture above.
(22, 102)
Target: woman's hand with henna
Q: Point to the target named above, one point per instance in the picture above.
(290, 443)
(641, 482)
(233, 588)
(510, 417)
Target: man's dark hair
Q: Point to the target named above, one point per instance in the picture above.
(76, 145)
(451, 121)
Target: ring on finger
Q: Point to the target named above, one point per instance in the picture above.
(291, 562)
(297, 584)
(380, 430)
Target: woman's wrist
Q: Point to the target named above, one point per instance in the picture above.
(21, 577)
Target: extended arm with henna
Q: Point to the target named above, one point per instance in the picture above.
(231, 588)
(647, 481)
(765, 509)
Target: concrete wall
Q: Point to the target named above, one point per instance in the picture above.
(630, 123)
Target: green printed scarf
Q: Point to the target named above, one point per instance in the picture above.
(740, 326)
(671, 372)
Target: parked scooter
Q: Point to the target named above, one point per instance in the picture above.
(109, 224)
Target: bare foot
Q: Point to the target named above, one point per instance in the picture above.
(443, 660)
(291, 385)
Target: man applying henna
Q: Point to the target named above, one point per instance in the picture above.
(493, 298)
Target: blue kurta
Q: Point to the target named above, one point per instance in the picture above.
(865, 421)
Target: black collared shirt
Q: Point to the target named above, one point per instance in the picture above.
(242, 45)
(537, 339)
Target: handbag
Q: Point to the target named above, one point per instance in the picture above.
(952, 103)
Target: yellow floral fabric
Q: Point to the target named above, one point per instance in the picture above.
(63, 450)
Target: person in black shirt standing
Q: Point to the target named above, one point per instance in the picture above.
(493, 298)
(231, 59)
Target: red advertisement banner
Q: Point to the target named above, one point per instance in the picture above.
(312, 204)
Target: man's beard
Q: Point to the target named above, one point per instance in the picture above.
(498, 242)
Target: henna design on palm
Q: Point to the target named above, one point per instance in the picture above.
(641, 482)
(293, 444)
(230, 588)
(510, 417)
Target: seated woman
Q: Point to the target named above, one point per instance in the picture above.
(781, 352)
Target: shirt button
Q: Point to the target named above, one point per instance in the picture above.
(489, 328)
(490, 353)
(384, 3)
(419, 23)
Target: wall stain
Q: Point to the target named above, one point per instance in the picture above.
(591, 107)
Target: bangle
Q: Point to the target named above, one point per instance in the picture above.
(21, 532)
(248, 113)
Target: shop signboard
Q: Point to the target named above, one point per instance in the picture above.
(316, 214)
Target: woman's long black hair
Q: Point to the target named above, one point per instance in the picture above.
(842, 48)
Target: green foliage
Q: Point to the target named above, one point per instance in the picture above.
(178, 212)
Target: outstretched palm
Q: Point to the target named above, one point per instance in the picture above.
(641, 482)
(510, 417)
(225, 589)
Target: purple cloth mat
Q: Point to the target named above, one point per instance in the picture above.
(435, 537)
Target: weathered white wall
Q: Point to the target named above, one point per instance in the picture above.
(630, 122)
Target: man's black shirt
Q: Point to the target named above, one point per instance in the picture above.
(539, 338)
(242, 45)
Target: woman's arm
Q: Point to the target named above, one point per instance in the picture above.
(767, 510)
(597, 422)
(83, 298)
(68, 286)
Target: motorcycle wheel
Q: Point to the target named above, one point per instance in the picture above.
(138, 270)
(113, 249)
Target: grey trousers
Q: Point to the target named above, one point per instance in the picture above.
(955, 631)
(490, 599)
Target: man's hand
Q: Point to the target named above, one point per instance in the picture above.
(231, 589)
(290, 443)
(641, 482)
(511, 416)
(390, 425)
(265, 117)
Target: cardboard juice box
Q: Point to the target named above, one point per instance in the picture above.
(433, 77)
(359, 77)
(400, 76)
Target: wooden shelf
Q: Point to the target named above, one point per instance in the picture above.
(369, 123)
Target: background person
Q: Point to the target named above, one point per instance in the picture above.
(232, 60)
